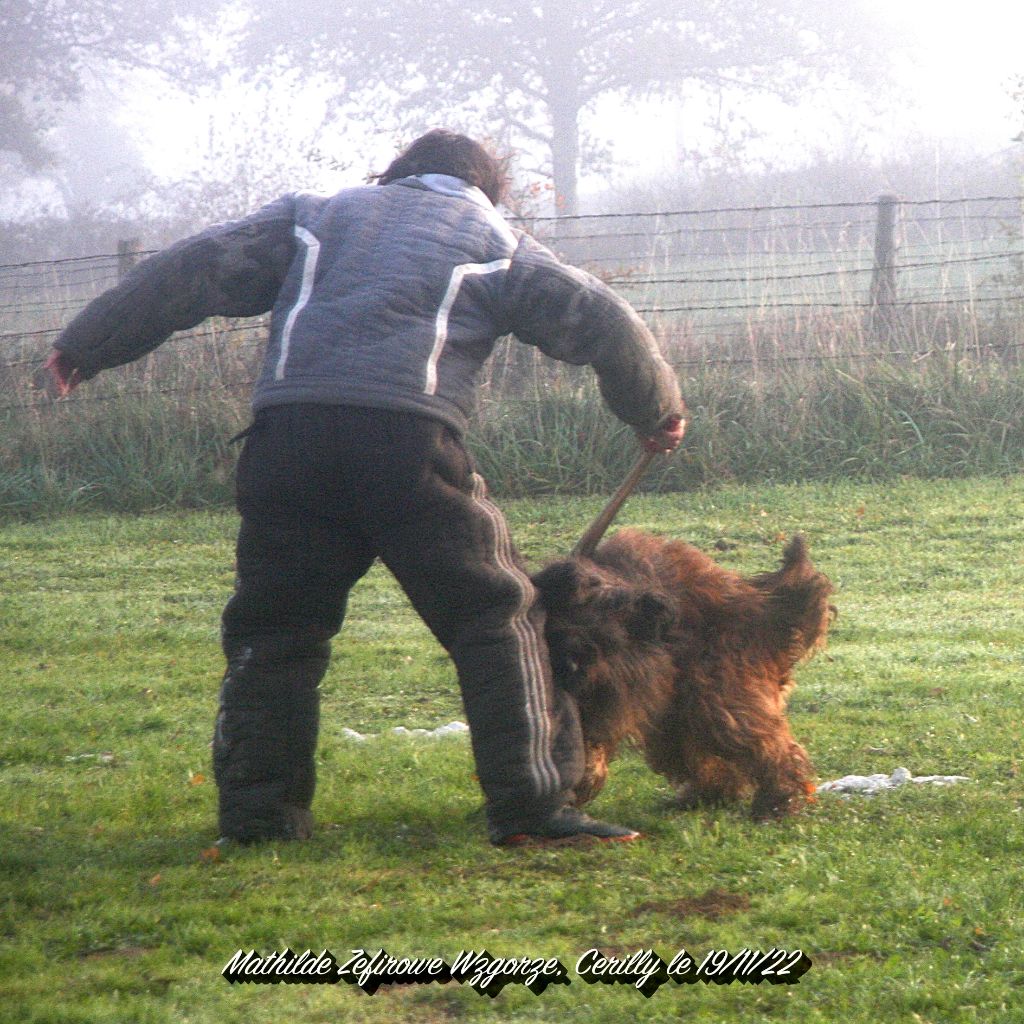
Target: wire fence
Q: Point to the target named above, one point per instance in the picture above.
(754, 289)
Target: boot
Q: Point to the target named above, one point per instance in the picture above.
(567, 825)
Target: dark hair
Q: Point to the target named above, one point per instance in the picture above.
(443, 152)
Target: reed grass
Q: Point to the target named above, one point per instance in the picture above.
(137, 453)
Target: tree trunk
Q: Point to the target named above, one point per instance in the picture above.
(565, 148)
(563, 96)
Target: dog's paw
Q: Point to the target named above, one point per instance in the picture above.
(594, 777)
(771, 805)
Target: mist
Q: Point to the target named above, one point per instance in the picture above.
(929, 107)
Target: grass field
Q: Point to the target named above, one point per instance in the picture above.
(909, 903)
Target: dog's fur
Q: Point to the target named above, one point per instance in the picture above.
(691, 662)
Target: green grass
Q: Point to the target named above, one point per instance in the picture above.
(909, 904)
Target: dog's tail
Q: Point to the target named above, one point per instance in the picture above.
(796, 554)
(796, 566)
(799, 605)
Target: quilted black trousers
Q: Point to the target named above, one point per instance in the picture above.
(323, 491)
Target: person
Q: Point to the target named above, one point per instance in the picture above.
(385, 301)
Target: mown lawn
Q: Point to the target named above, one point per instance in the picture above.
(908, 904)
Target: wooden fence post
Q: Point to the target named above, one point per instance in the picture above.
(127, 256)
(882, 315)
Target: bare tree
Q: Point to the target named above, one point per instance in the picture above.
(50, 45)
(536, 68)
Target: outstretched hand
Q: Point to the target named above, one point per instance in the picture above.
(667, 437)
(57, 377)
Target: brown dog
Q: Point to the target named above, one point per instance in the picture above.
(690, 661)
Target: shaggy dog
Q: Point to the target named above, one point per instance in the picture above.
(691, 662)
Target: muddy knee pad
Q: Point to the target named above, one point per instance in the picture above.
(265, 738)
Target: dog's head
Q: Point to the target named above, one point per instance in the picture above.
(594, 614)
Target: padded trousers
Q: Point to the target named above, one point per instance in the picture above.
(323, 491)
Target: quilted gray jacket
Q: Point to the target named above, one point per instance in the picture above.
(388, 296)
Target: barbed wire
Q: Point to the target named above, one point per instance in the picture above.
(627, 280)
(766, 305)
(903, 204)
(805, 258)
(770, 278)
(630, 280)
(854, 228)
(208, 327)
(940, 282)
(855, 205)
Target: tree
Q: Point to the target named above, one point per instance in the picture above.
(50, 46)
(1017, 94)
(538, 67)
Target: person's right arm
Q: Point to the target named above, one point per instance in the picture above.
(234, 269)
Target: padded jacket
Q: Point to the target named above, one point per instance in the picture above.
(385, 296)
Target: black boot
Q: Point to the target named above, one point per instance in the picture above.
(265, 737)
(566, 825)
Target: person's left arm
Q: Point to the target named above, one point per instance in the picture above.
(572, 316)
